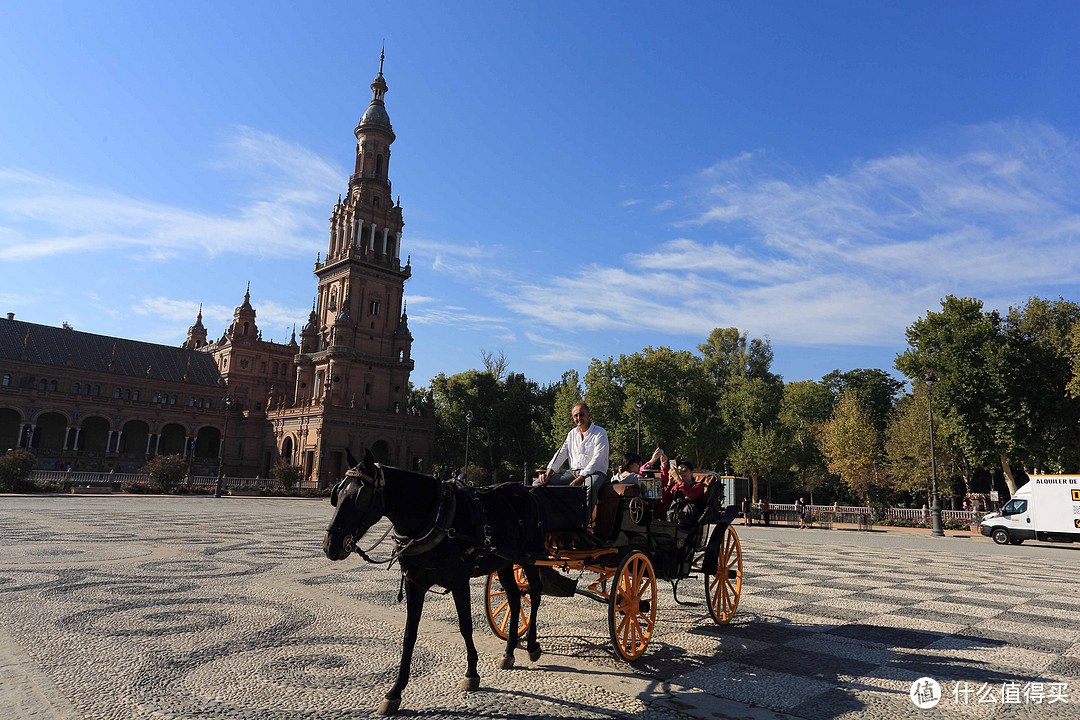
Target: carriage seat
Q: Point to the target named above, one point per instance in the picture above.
(608, 505)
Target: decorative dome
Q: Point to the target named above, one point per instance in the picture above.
(376, 115)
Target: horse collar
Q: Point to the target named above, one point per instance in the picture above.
(437, 529)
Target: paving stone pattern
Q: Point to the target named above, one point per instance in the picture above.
(151, 607)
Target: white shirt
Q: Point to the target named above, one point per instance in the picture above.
(587, 452)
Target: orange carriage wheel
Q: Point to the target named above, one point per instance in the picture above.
(632, 606)
(722, 589)
(498, 605)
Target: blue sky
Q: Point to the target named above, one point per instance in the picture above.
(578, 180)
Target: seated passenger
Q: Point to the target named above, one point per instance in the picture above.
(629, 469)
(683, 494)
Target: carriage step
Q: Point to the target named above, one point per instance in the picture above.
(555, 584)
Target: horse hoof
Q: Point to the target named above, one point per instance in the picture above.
(507, 662)
(470, 683)
(389, 707)
(534, 655)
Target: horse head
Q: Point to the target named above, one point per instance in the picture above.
(358, 504)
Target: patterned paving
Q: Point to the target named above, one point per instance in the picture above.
(117, 607)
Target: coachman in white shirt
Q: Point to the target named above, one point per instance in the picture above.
(586, 446)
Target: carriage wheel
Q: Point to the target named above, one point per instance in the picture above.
(722, 589)
(498, 605)
(632, 606)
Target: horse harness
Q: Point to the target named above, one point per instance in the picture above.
(439, 526)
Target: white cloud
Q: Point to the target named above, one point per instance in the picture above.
(849, 258)
(629, 203)
(284, 215)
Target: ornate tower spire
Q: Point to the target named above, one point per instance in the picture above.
(196, 334)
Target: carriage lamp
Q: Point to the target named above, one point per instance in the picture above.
(930, 377)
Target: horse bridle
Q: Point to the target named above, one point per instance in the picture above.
(377, 484)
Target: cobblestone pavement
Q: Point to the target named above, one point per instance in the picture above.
(161, 607)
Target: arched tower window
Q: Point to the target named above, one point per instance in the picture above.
(74, 388)
(378, 166)
(245, 328)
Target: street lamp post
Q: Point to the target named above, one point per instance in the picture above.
(935, 505)
(221, 452)
(638, 405)
(468, 431)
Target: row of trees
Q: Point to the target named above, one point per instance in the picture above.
(1005, 395)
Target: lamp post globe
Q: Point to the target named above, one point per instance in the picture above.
(219, 485)
(638, 405)
(468, 431)
(930, 377)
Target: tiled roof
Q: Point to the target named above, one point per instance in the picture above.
(48, 345)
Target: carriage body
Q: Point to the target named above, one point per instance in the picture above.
(628, 546)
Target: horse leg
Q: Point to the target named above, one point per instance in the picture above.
(414, 597)
(513, 598)
(534, 597)
(464, 619)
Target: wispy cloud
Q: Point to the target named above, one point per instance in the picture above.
(629, 203)
(283, 216)
(849, 258)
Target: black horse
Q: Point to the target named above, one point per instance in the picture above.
(444, 534)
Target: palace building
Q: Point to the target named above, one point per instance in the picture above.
(95, 403)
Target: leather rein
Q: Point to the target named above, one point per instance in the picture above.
(438, 527)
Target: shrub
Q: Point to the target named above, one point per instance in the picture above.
(287, 475)
(166, 471)
(15, 469)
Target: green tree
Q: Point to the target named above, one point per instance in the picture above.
(805, 406)
(876, 389)
(757, 454)
(907, 445)
(15, 469)
(850, 445)
(287, 475)
(166, 471)
(962, 346)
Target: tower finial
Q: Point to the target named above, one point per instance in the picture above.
(382, 54)
(247, 292)
(200, 311)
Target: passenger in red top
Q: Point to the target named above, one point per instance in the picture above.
(682, 480)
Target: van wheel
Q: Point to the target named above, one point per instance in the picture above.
(1001, 536)
(1016, 541)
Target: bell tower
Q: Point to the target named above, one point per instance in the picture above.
(355, 352)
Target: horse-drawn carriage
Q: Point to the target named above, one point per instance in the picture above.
(626, 549)
(445, 533)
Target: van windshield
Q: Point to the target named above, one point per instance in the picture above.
(1014, 507)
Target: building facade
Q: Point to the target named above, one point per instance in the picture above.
(92, 402)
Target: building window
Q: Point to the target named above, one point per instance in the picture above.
(173, 400)
(116, 395)
(200, 402)
(191, 402)
(127, 394)
(367, 388)
(135, 396)
(373, 309)
(378, 168)
(6, 382)
(375, 200)
(43, 384)
(245, 328)
(209, 404)
(97, 390)
(74, 388)
(52, 386)
(275, 369)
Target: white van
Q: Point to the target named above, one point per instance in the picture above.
(1046, 508)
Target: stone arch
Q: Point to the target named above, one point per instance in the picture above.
(94, 435)
(207, 442)
(10, 422)
(134, 438)
(381, 450)
(173, 436)
(287, 446)
(50, 430)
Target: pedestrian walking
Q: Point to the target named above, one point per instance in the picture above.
(800, 510)
(766, 511)
(748, 518)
